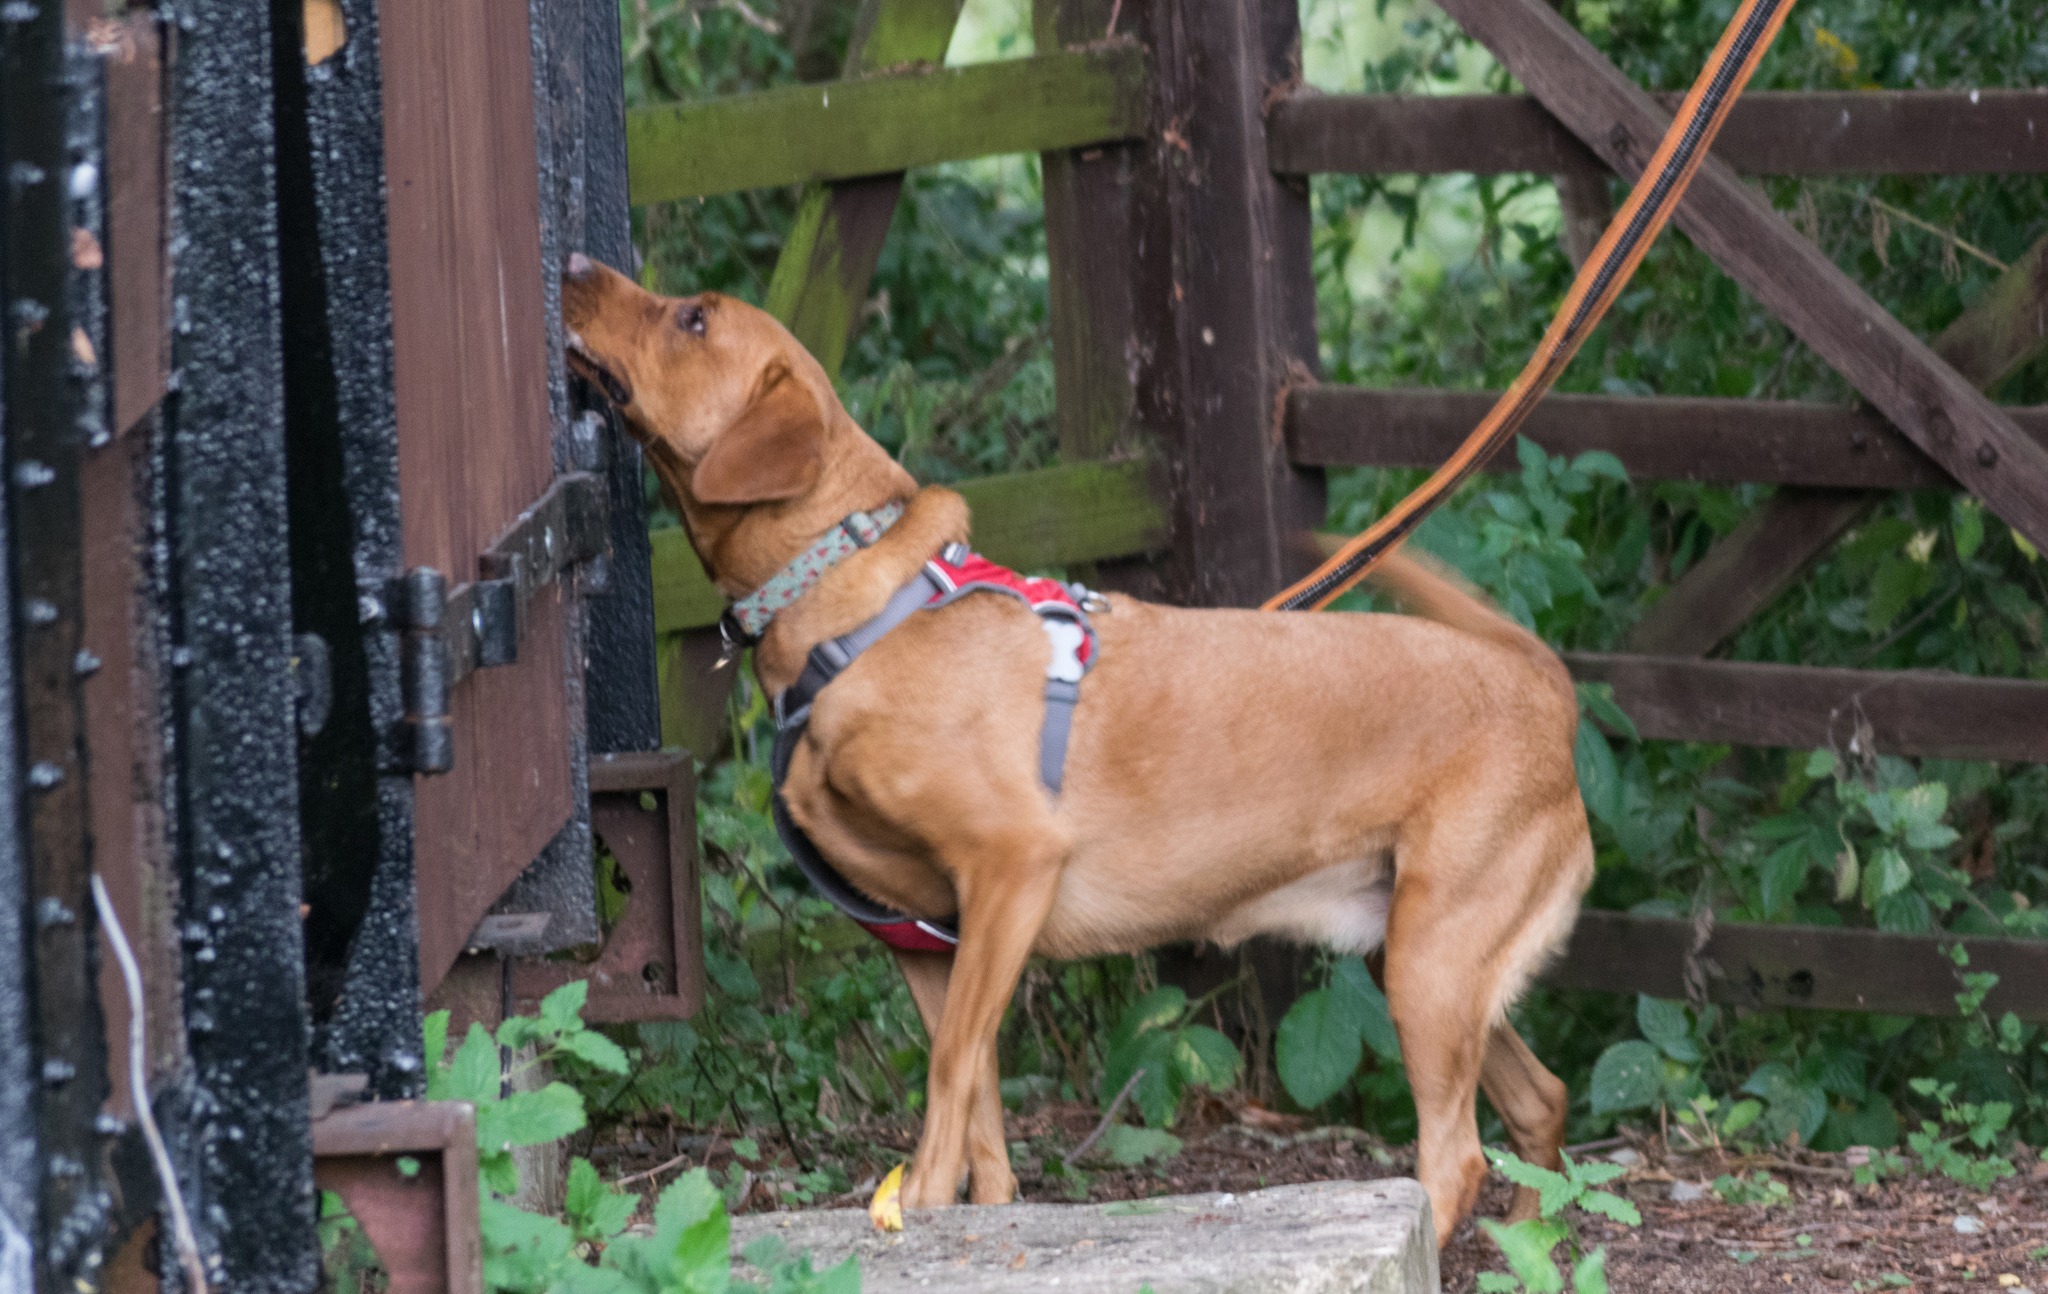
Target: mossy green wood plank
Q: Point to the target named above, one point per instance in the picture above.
(822, 276)
(1084, 512)
(844, 129)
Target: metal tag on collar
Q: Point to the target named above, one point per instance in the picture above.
(733, 639)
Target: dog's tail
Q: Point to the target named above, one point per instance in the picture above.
(1435, 592)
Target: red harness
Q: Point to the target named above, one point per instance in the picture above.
(951, 575)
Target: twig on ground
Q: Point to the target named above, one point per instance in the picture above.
(1589, 1147)
(1108, 1116)
(658, 1169)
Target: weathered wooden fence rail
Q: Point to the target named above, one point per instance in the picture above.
(1799, 132)
(1175, 158)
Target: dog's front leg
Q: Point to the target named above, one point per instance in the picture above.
(1006, 886)
(988, 1155)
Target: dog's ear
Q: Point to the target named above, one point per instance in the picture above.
(771, 451)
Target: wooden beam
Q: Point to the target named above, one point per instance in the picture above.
(1803, 132)
(1782, 538)
(1804, 707)
(1056, 516)
(1236, 325)
(1938, 409)
(1096, 200)
(1747, 569)
(1663, 438)
(1801, 966)
(881, 124)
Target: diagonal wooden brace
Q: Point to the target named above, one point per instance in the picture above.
(822, 277)
(1933, 405)
(1775, 544)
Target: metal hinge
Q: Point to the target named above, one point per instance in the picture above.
(448, 634)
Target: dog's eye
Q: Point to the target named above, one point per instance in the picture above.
(690, 318)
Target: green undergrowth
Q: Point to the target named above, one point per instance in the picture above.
(808, 1037)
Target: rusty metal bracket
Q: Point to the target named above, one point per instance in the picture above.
(651, 965)
(447, 635)
(425, 1226)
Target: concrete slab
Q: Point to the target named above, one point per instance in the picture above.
(1318, 1238)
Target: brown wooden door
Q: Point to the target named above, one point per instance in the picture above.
(474, 435)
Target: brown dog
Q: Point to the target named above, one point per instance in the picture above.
(1353, 780)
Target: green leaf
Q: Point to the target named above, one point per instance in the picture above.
(1350, 978)
(1159, 1009)
(1887, 874)
(1966, 515)
(474, 1076)
(434, 1040)
(1594, 1172)
(1628, 1076)
(499, 1174)
(691, 1226)
(1597, 700)
(1127, 1145)
(1609, 1205)
(843, 1279)
(596, 1211)
(1155, 1095)
(530, 1118)
(1598, 462)
(563, 1008)
(1526, 1246)
(1924, 805)
(524, 1253)
(596, 1051)
(1498, 1283)
(1206, 1058)
(1590, 1276)
(1795, 1105)
(1554, 1190)
(1822, 763)
(1667, 1025)
(1599, 775)
(1781, 875)
(1318, 1047)
(1523, 1173)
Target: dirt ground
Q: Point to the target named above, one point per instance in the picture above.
(1828, 1234)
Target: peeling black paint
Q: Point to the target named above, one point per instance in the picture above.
(361, 932)
(624, 693)
(235, 730)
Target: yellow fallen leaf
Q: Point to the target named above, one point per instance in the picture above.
(885, 1210)
(2007, 1280)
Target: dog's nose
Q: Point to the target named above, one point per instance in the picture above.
(581, 266)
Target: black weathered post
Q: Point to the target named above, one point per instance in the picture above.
(56, 1202)
(1237, 321)
(232, 704)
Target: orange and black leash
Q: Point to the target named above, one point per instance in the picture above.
(1600, 280)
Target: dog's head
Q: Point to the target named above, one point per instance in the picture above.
(732, 409)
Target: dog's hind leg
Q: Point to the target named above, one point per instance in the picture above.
(990, 1178)
(1474, 910)
(1531, 1101)
(1006, 892)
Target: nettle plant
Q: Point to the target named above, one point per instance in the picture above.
(587, 1250)
(1530, 1246)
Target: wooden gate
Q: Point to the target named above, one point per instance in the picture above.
(1176, 140)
